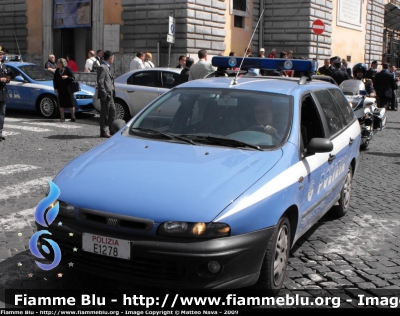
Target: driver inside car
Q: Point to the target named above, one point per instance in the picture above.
(263, 116)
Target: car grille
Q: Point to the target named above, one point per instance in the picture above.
(137, 268)
(88, 106)
(93, 216)
(83, 96)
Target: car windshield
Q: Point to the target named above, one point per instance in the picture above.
(37, 73)
(221, 117)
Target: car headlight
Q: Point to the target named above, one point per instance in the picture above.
(66, 210)
(194, 230)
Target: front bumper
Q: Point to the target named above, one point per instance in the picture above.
(167, 262)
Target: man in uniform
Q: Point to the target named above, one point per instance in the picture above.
(338, 74)
(325, 69)
(4, 79)
(372, 71)
(384, 85)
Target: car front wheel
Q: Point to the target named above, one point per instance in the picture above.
(48, 106)
(345, 195)
(275, 262)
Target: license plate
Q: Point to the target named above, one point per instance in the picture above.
(106, 246)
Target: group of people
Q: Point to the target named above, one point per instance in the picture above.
(64, 69)
(336, 68)
(91, 64)
(142, 60)
(382, 85)
(192, 71)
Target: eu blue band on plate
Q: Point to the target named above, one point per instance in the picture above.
(265, 63)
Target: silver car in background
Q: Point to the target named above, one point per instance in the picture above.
(137, 88)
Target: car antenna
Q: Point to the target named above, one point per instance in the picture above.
(234, 81)
(19, 52)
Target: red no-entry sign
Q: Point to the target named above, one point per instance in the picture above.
(318, 27)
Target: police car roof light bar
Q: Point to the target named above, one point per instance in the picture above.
(301, 65)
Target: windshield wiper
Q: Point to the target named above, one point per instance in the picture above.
(220, 140)
(164, 135)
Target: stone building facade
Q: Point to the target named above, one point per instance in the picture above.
(129, 26)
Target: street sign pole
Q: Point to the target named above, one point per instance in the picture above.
(318, 28)
(169, 55)
(170, 37)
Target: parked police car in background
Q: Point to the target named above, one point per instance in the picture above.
(210, 185)
(137, 88)
(31, 89)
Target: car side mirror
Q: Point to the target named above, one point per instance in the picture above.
(319, 145)
(363, 92)
(19, 79)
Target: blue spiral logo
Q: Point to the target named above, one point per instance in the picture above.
(46, 213)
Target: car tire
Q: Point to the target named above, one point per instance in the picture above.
(364, 145)
(47, 106)
(345, 195)
(273, 269)
(121, 110)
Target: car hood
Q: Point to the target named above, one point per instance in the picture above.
(161, 180)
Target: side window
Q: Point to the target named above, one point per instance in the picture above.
(330, 110)
(13, 73)
(344, 106)
(311, 124)
(170, 79)
(145, 78)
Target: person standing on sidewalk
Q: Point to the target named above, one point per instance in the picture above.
(338, 74)
(396, 79)
(4, 79)
(181, 62)
(202, 68)
(384, 85)
(372, 71)
(106, 93)
(272, 54)
(325, 69)
(51, 65)
(185, 71)
(138, 61)
(62, 78)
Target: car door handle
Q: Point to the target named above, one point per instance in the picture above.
(331, 158)
(130, 91)
(351, 141)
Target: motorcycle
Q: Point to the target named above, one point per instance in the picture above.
(370, 117)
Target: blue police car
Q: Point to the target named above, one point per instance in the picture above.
(31, 89)
(211, 184)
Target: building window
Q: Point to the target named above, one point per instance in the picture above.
(238, 21)
(239, 5)
(240, 8)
